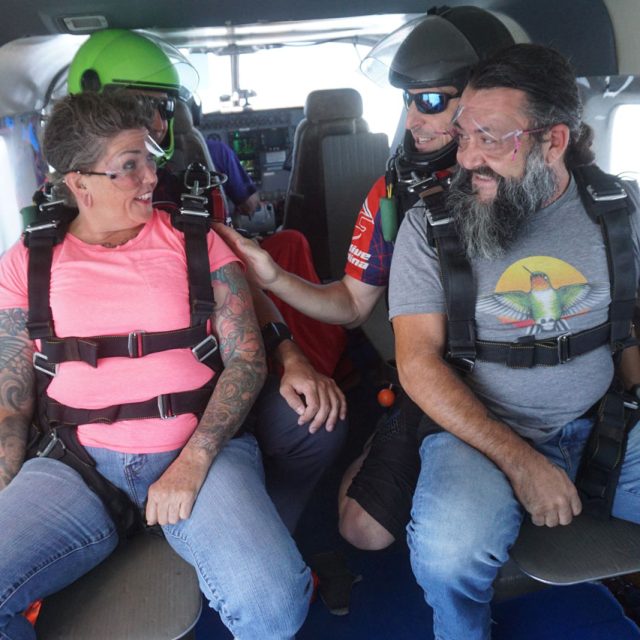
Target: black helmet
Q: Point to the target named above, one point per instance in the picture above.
(436, 50)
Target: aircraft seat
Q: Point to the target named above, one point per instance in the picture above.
(190, 145)
(335, 161)
(143, 591)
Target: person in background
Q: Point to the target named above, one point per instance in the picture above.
(239, 187)
(429, 59)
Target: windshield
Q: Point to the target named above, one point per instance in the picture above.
(284, 76)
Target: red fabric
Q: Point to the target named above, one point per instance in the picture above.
(322, 343)
(33, 611)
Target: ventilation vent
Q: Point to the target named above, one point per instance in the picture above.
(85, 24)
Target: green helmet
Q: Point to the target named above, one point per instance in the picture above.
(117, 58)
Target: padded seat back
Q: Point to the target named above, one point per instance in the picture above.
(190, 145)
(333, 153)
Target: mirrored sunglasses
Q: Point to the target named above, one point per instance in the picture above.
(428, 102)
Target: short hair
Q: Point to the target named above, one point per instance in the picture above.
(80, 128)
(549, 82)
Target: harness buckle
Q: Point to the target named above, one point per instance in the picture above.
(613, 192)
(164, 407)
(463, 364)
(40, 363)
(436, 222)
(134, 344)
(562, 346)
(54, 441)
(42, 226)
(211, 345)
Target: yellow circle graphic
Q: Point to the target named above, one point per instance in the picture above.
(517, 277)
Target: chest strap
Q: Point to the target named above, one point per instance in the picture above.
(528, 352)
(134, 345)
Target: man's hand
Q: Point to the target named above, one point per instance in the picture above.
(546, 492)
(261, 267)
(323, 402)
(172, 496)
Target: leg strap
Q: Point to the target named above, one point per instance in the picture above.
(602, 459)
(62, 444)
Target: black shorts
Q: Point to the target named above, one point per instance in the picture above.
(386, 481)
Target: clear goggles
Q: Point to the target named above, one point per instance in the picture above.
(493, 134)
(128, 170)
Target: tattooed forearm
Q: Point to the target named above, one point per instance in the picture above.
(16, 391)
(243, 354)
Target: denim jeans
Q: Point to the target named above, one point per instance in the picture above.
(294, 459)
(54, 530)
(465, 518)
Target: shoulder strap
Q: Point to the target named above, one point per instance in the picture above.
(46, 229)
(457, 280)
(608, 204)
(194, 220)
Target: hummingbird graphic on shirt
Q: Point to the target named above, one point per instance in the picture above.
(544, 305)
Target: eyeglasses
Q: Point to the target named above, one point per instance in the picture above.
(428, 102)
(165, 106)
(489, 137)
(129, 170)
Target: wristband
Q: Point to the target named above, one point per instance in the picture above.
(273, 333)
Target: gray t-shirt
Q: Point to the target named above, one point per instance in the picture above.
(554, 280)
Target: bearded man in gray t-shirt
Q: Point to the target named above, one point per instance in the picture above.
(512, 437)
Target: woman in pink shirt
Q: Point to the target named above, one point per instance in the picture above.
(139, 378)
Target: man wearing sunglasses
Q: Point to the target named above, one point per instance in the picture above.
(512, 427)
(429, 59)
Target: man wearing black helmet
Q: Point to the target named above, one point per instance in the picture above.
(430, 59)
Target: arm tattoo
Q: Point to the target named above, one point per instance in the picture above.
(16, 391)
(242, 352)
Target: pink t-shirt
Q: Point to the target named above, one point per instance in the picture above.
(138, 286)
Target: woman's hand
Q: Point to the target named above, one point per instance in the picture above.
(172, 496)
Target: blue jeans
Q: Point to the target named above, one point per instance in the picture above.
(54, 530)
(294, 459)
(465, 518)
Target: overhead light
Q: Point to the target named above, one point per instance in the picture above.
(85, 24)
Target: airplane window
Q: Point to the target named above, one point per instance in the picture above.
(625, 141)
(10, 222)
(308, 67)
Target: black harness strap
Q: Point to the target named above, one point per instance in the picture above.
(457, 280)
(193, 220)
(528, 352)
(133, 345)
(607, 204)
(603, 455)
(165, 406)
(62, 444)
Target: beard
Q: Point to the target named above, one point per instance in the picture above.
(489, 228)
